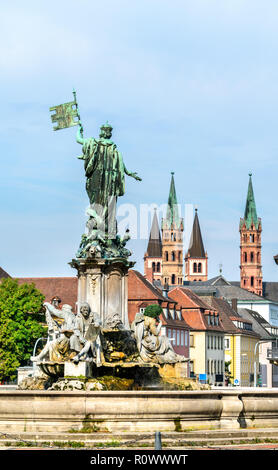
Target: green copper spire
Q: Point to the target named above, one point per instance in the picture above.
(172, 214)
(250, 214)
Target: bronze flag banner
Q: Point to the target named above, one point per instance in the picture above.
(65, 115)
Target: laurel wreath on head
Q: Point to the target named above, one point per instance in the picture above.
(153, 311)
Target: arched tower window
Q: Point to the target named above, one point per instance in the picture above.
(245, 257)
(199, 267)
(195, 267)
(173, 256)
(153, 267)
(166, 255)
(252, 281)
(158, 268)
(252, 257)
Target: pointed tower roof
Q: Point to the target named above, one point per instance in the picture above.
(196, 246)
(250, 214)
(172, 214)
(154, 249)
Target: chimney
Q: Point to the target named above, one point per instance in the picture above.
(234, 304)
(165, 289)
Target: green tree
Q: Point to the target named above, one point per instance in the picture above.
(228, 374)
(20, 325)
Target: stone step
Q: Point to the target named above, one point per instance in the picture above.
(100, 436)
(121, 441)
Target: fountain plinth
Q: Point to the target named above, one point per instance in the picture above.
(102, 283)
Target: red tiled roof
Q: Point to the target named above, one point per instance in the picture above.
(3, 273)
(194, 310)
(228, 316)
(144, 290)
(63, 287)
(193, 300)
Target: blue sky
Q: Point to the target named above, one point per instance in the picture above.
(189, 87)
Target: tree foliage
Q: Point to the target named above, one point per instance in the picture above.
(228, 374)
(153, 311)
(20, 325)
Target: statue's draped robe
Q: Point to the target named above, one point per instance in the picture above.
(152, 346)
(105, 171)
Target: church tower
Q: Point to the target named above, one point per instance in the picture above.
(153, 255)
(250, 229)
(172, 241)
(196, 259)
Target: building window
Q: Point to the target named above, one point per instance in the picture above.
(195, 267)
(173, 256)
(227, 343)
(166, 255)
(245, 257)
(199, 267)
(178, 337)
(252, 281)
(182, 338)
(252, 257)
(153, 267)
(192, 341)
(174, 337)
(158, 268)
(185, 338)
(173, 279)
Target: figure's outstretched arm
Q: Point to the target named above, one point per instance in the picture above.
(79, 135)
(158, 328)
(133, 175)
(53, 311)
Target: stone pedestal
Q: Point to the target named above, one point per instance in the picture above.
(103, 284)
(82, 369)
(176, 371)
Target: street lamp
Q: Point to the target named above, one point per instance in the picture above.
(255, 362)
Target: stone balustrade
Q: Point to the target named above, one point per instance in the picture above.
(136, 411)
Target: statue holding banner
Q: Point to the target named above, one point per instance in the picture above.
(105, 181)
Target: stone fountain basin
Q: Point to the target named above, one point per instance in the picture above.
(52, 369)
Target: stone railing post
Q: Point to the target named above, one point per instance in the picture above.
(232, 407)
